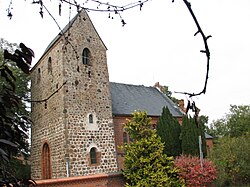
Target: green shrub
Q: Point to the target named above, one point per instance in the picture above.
(145, 163)
(231, 157)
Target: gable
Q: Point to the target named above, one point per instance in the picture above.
(127, 98)
(80, 18)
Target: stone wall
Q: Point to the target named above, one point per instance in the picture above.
(48, 117)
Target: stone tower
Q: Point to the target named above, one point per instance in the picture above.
(72, 131)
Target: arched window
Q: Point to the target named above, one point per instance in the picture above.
(86, 56)
(46, 162)
(91, 118)
(91, 122)
(49, 65)
(93, 155)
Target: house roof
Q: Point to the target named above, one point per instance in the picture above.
(127, 98)
(207, 136)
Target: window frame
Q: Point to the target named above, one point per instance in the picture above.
(86, 56)
(93, 155)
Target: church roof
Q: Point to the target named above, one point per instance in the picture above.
(127, 98)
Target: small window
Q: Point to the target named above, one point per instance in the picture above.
(91, 122)
(49, 65)
(91, 118)
(86, 56)
(93, 155)
(38, 75)
(125, 137)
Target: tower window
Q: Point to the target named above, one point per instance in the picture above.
(91, 118)
(93, 156)
(86, 56)
(49, 65)
(91, 122)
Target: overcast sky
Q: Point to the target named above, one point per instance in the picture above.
(158, 45)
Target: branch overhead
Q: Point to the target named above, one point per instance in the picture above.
(205, 51)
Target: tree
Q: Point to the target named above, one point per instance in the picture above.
(22, 80)
(189, 137)
(168, 93)
(145, 162)
(217, 128)
(238, 120)
(14, 113)
(231, 157)
(234, 124)
(168, 128)
(14, 123)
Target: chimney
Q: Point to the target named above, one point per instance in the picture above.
(181, 104)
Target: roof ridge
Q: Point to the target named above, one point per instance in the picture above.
(130, 84)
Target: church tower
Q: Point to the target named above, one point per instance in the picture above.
(72, 131)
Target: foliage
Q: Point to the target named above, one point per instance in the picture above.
(231, 157)
(168, 93)
(145, 163)
(234, 124)
(189, 137)
(218, 128)
(14, 122)
(17, 167)
(192, 172)
(168, 128)
(22, 88)
(190, 133)
(238, 120)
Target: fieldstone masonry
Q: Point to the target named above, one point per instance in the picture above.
(77, 92)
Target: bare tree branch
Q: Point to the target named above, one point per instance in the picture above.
(46, 99)
(206, 51)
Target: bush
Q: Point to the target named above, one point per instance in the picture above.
(231, 157)
(145, 163)
(192, 172)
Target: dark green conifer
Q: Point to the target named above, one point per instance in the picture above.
(189, 137)
(168, 128)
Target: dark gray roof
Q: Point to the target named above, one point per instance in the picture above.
(207, 136)
(127, 98)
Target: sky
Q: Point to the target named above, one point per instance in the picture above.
(157, 44)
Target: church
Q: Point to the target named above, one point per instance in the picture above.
(78, 128)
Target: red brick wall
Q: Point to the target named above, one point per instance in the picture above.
(119, 122)
(98, 180)
(210, 144)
